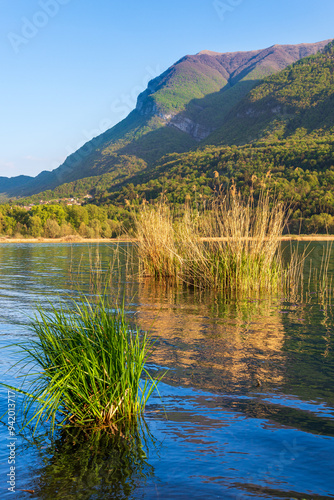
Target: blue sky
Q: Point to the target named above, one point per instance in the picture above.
(73, 68)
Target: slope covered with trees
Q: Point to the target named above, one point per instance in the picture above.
(296, 101)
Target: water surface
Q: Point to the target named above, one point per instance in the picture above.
(246, 408)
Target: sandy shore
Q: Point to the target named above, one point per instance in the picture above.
(124, 239)
(66, 239)
(309, 237)
(293, 237)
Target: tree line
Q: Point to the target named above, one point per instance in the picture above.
(55, 221)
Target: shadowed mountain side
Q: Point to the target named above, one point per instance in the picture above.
(156, 143)
(94, 158)
(144, 140)
(13, 183)
(78, 165)
(189, 77)
(202, 116)
(300, 96)
(269, 120)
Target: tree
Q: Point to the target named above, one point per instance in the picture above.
(35, 226)
(52, 229)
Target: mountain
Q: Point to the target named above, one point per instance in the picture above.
(297, 100)
(13, 184)
(188, 105)
(186, 95)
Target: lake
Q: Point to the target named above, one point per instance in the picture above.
(245, 411)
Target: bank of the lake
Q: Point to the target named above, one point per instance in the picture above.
(66, 239)
(126, 239)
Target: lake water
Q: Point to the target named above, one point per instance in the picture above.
(245, 411)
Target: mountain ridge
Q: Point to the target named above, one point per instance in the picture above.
(178, 111)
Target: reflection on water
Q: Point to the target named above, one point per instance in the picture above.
(246, 408)
(80, 466)
(225, 347)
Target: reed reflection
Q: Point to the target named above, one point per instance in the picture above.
(99, 465)
(211, 343)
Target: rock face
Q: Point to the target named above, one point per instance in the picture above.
(196, 130)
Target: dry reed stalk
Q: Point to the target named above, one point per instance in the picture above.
(196, 265)
(247, 259)
(254, 230)
(156, 242)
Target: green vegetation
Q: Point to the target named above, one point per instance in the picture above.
(87, 367)
(300, 170)
(288, 166)
(300, 96)
(55, 221)
(184, 83)
(100, 465)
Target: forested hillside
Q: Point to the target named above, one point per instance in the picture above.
(297, 100)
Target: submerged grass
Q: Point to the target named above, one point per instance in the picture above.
(234, 247)
(86, 367)
(309, 273)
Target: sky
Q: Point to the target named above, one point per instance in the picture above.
(71, 69)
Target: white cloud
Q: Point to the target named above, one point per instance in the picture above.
(33, 158)
(7, 164)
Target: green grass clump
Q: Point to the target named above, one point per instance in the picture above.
(89, 367)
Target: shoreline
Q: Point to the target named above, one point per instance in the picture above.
(78, 239)
(66, 239)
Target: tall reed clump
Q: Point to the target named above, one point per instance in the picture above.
(86, 367)
(246, 257)
(233, 247)
(155, 234)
